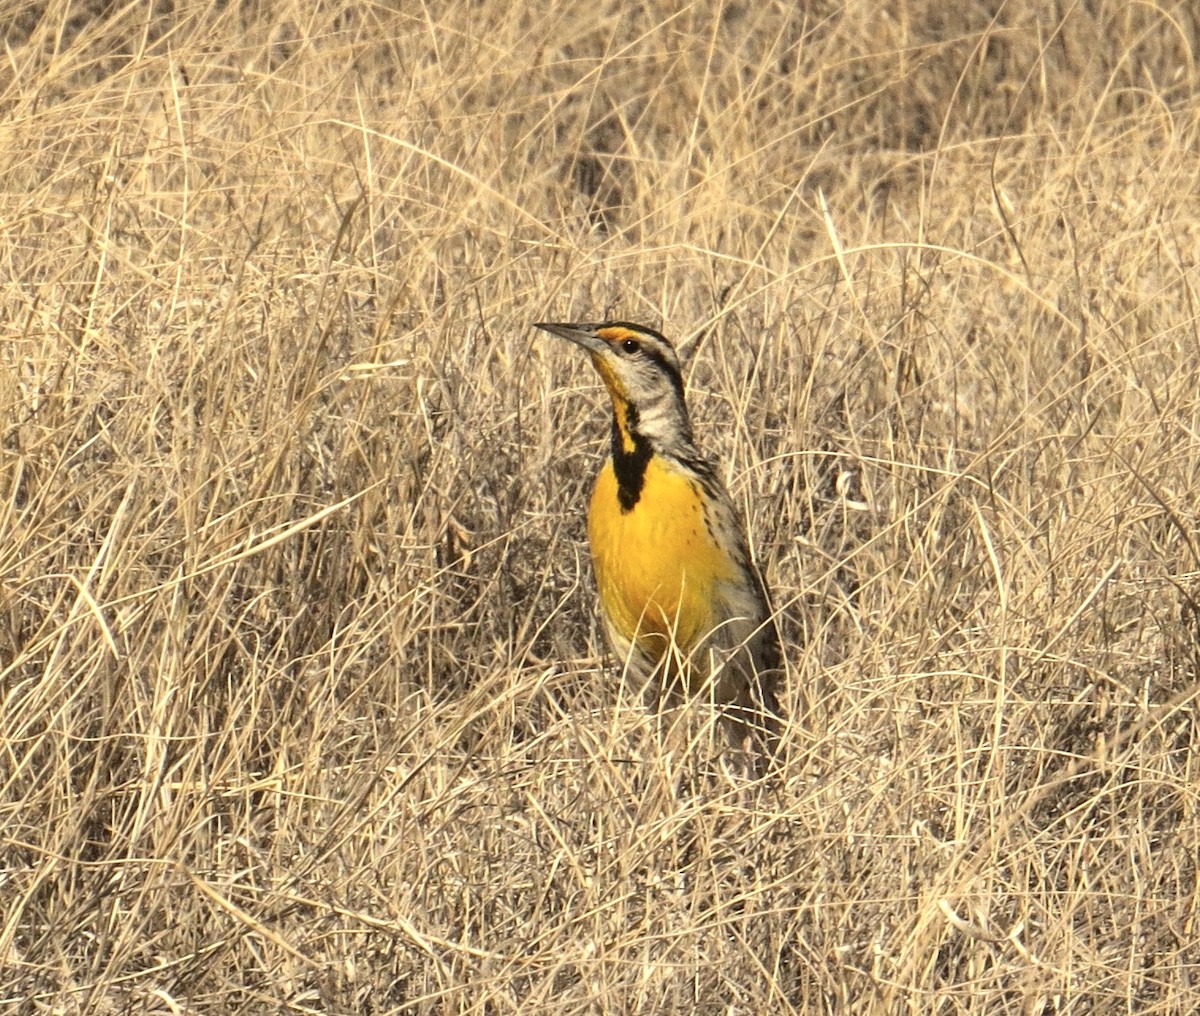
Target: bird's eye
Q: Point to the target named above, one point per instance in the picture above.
(630, 345)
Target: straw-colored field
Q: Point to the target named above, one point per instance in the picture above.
(304, 703)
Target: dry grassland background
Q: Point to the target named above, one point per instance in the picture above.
(304, 706)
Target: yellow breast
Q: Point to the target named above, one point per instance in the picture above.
(657, 564)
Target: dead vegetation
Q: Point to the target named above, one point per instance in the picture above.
(303, 707)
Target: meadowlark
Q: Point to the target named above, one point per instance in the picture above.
(684, 608)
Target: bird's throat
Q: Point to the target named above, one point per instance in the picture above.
(631, 454)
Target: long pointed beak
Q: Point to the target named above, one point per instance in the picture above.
(581, 335)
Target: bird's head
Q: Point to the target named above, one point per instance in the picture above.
(641, 371)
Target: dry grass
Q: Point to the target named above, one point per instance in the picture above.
(304, 707)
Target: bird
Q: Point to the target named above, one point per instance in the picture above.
(683, 605)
